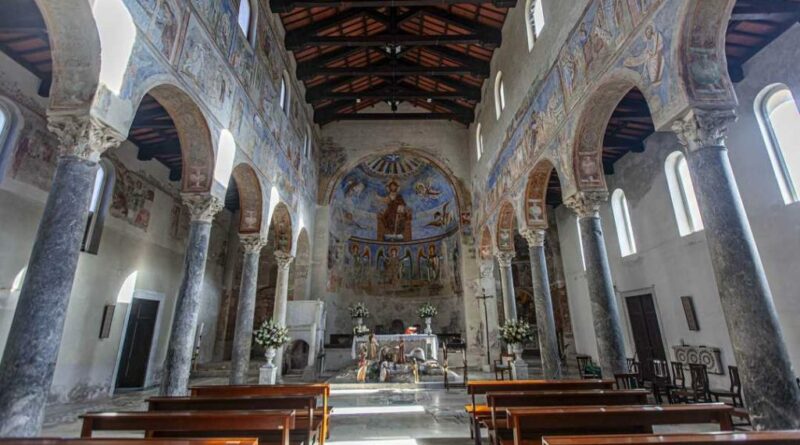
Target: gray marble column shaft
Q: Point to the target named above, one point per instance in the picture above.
(178, 363)
(768, 380)
(281, 297)
(545, 320)
(29, 361)
(246, 307)
(507, 282)
(605, 313)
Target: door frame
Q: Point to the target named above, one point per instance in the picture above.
(627, 317)
(142, 295)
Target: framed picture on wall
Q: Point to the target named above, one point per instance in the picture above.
(691, 315)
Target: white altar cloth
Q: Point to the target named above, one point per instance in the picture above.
(429, 343)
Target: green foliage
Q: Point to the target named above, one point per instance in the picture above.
(517, 332)
(427, 310)
(271, 335)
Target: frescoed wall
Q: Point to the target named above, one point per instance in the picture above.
(394, 229)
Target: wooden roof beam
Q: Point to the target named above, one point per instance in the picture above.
(303, 41)
(399, 94)
(389, 70)
(390, 117)
(279, 6)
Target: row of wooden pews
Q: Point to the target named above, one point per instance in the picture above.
(574, 412)
(217, 415)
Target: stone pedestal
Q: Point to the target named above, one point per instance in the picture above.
(268, 375)
(545, 320)
(507, 281)
(605, 314)
(284, 261)
(29, 360)
(770, 392)
(243, 335)
(519, 370)
(178, 362)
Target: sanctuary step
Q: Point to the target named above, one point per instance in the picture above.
(223, 369)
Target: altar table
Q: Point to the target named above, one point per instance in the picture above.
(428, 343)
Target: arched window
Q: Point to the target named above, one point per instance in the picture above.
(479, 141)
(534, 21)
(284, 95)
(98, 207)
(499, 94)
(622, 219)
(307, 143)
(580, 242)
(246, 18)
(780, 124)
(681, 190)
(10, 124)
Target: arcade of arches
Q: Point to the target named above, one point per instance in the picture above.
(174, 174)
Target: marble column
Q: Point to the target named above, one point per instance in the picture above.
(768, 381)
(545, 320)
(178, 364)
(284, 261)
(246, 308)
(605, 314)
(28, 364)
(504, 259)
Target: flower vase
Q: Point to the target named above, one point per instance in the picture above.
(516, 349)
(519, 369)
(270, 354)
(359, 322)
(428, 329)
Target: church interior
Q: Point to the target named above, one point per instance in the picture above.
(399, 222)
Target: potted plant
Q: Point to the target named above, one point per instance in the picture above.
(360, 331)
(271, 336)
(359, 312)
(426, 312)
(516, 333)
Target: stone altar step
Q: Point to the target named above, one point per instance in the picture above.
(223, 369)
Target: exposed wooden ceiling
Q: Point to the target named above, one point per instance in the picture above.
(432, 54)
(23, 37)
(154, 132)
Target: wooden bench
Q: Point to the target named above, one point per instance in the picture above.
(498, 402)
(481, 387)
(322, 390)
(530, 424)
(110, 441)
(307, 423)
(273, 427)
(723, 438)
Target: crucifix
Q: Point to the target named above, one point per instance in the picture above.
(483, 297)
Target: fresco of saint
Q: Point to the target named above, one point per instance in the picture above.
(394, 223)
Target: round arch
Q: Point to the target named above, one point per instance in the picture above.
(535, 202)
(251, 198)
(506, 226)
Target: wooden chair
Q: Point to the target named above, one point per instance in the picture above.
(678, 377)
(734, 392)
(698, 392)
(502, 366)
(628, 380)
(584, 361)
(662, 385)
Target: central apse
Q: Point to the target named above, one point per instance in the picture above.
(394, 229)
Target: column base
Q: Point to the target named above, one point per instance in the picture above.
(268, 375)
(519, 370)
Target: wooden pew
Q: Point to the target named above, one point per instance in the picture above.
(306, 423)
(722, 438)
(498, 402)
(530, 424)
(481, 387)
(264, 425)
(111, 441)
(322, 390)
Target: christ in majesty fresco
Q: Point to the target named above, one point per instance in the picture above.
(394, 222)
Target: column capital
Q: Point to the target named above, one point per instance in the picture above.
(202, 206)
(251, 242)
(284, 259)
(505, 257)
(534, 237)
(83, 136)
(703, 128)
(586, 204)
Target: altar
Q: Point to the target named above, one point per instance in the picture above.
(429, 343)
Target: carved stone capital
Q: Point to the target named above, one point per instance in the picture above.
(534, 237)
(202, 206)
(704, 128)
(83, 136)
(586, 204)
(251, 243)
(284, 259)
(504, 258)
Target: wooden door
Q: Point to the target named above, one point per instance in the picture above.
(136, 346)
(646, 332)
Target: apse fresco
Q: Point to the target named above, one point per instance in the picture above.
(394, 229)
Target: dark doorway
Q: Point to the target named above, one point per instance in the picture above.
(136, 346)
(646, 333)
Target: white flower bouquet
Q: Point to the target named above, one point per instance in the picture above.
(517, 332)
(360, 331)
(427, 310)
(271, 334)
(359, 310)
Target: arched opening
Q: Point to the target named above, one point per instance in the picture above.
(8, 304)
(499, 94)
(681, 191)
(622, 221)
(776, 110)
(300, 281)
(295, 357)
(99, 206)
(10, 124)
(246, 19)
(479, 142)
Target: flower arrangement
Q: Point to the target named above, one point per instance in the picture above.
(427, 310)
(360, 331)
(271, 334)
(517, 332)
(359, 310)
